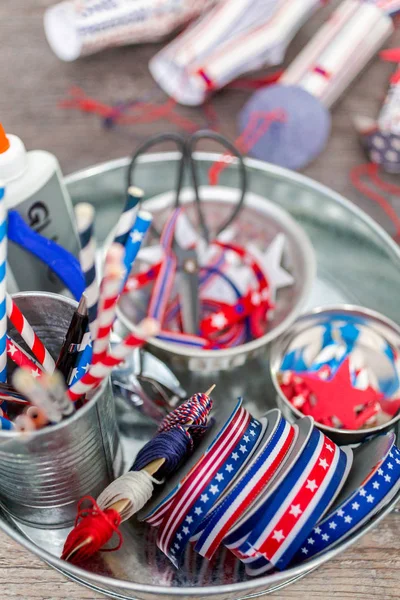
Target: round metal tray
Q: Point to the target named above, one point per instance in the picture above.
(357, 263)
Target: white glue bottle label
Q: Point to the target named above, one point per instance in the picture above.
(34, 188)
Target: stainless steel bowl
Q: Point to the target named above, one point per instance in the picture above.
(375, 322)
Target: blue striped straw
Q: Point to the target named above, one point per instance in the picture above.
(85, 214)
(128, 216)
(135, 240)
(3, 262)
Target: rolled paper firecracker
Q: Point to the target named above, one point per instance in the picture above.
(314, 81)
(26, 384)
(22, 359)
(237, 36)
(23, 423)
(55, 386)
(74, 28)
(272, 531)
(373, 481)
(135, 240)
(128, 216)
(3, 283)
(30, 338)
(38, 417)
(265, 465)
(183, 508)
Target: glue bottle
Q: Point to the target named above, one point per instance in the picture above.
(34, 188)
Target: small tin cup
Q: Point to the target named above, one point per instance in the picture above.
(44, 473)
(373, 320)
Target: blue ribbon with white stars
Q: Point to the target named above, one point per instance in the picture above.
(354, 510)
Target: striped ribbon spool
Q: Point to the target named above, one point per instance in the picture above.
(128, 216)
(3, 283)
(275, 528)
(360, 499)
(265, 465)
(85, 215)
(22, 359)
(33, 341)
(184, 512)
(98, 372)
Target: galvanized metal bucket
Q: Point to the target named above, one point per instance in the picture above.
(43, 474)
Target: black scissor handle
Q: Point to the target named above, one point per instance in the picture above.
(191, 142)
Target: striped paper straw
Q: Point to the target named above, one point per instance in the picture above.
(3, 262)
(109, 293)
(85, 214)
(83, 360)
(135, 240)
(22, 359)
(98, 372)
(128, 216)
(30, 338)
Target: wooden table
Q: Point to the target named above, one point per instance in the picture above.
(32, 82)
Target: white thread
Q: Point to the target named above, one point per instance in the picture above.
(135, 486)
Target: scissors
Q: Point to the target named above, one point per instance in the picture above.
(187, 257)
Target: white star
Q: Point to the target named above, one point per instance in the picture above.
(355, 506)
(332, 525)
(214, 489)
(363, 493)
(189, 519)
(172, 551)
(243, 449)
(86, 367)
(311, 485)
(311, 541)
(391, 454)
(35, 373)
(256, 298)
(329, 447)
(380, 472)
(388, 478)
(348, 519)
(136, 236)
(398, 461)
(390, 466)
(340, 512)
(323, 463)
(219, 320)
(204, 498)
(11, 349)
(229, 468)
(278, 535)
(304, 550)
(219, 477)
(235, 456)
(246, 438)
(198, 510)
(253, 433)
(176, 546)
(295, 510)
(179, 536)
(375, 485)
(186, 530)
(74, 373)
(270, 262)
(317, 530)
(370, 498)
(325, 537)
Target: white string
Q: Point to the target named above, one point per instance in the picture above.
(135, 486)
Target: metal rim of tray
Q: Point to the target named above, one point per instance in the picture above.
(257, 583)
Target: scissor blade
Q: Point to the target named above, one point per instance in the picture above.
(189, 289)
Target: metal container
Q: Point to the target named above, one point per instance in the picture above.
(259, 221)
(358, 263)
(44, 473)
(371, 319)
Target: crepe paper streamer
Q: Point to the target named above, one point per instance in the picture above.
(101, 370)
(274, 530)
(25, 383)
(235, 37)
(22, 359)
(3, 283)
(314, 81)
(359, 499)
(129, 493)
(85, 215)
(128, 216)
(268, 460)
(74, 28)
(135, 240)
(30, 338)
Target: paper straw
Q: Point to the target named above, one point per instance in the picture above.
(102, 370)
(135, 240)
(21, 358)
(85, 214)
(83, 360)
(128, 216)
(30, 338)
(3, 263)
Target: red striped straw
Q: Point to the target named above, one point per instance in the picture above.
(98, 372)
(33, 342)
(21, 358)
(114, 271)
